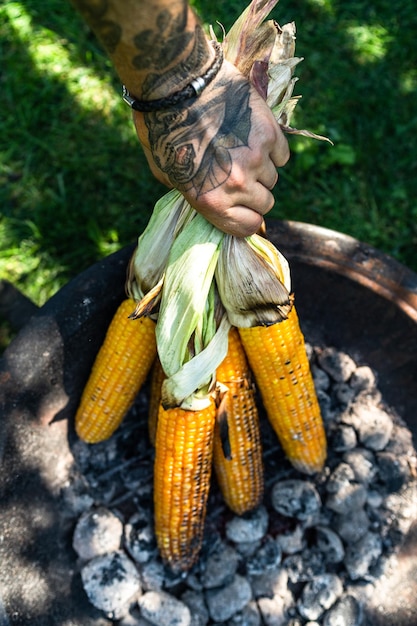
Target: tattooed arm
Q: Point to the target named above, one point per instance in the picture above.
(221, 150)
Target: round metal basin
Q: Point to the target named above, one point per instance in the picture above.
(348, 295)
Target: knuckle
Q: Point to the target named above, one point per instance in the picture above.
(237, 180)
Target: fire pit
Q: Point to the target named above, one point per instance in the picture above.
(349, 296)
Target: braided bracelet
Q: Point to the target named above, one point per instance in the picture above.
(192, 90)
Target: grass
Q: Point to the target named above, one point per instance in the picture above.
(74, 185)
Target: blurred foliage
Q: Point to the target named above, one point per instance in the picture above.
(75, 186)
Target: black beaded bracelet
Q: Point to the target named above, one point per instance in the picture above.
(192, 90)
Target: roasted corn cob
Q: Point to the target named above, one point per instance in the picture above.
(183, 462)
(237, 442)
(119, 371)
(278, 359)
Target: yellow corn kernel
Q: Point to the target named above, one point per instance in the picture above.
(183, 462)
(278, 359)
(240, 475)
(120, 369)
(157, 378)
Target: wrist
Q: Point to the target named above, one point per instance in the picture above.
(170, 56)
(189, 92)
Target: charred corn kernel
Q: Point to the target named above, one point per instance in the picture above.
(158, 377)
(120, 369)
(183, 462)
(239, 469)
(278, 359)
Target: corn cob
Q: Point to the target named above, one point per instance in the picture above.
(157, 378)
(118, 373)
(240, 473)
(183, 461)
(278, 359)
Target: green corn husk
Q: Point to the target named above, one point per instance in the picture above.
(147, 265)
(190, 343)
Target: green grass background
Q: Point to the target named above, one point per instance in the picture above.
(74, 185)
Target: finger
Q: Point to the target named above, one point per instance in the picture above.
(280, 153)
(261, 199)
(241, 218)
(269, 180)
(239, 221)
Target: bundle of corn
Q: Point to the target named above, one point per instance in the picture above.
(220, 302)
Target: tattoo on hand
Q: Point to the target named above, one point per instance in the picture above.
(193, 145)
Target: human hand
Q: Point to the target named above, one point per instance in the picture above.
(221, 152)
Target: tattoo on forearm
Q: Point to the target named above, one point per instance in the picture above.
(184, 69)
(108, 31)
(193, 145)
(110, 35)
(96, 9)
(160, 46)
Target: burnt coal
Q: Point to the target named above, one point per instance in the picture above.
(296, 498)
(345, 612)
(224, 602)
(112, 583)
(220, 567)
(318, 595)
(311, 554)
(161, 608)
(98, 531)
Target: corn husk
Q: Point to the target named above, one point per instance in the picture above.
(253, 279)
(190, 387)
(264, 52)
(190, 343)
(147, 265)
(250, 39)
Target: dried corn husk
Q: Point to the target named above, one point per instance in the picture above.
(253, 279)
(264, 52)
